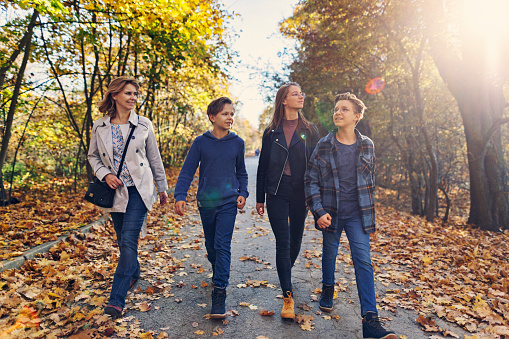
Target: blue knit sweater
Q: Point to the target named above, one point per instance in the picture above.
(223, 175)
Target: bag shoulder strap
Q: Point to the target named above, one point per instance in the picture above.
(125, 151)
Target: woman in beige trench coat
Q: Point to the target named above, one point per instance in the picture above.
(135, 190)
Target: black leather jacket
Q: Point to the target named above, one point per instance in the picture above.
(275, 153)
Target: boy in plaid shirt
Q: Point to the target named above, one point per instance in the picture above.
(340, 192)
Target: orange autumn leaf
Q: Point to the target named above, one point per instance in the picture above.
(266, 313)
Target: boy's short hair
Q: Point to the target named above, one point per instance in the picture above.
(358, 104)
(217, 105)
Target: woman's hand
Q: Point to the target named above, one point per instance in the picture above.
(163, 198)
(180, 207)
(241, 202)
(324, 221)
(113, 181)
(260, 208)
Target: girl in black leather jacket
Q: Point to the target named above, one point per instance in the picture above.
(287, 145)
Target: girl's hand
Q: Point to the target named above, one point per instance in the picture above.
(324, 221)
(241, 202)
(113, 181)
(180, 207)
(260, 208)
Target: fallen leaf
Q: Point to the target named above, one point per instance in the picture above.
(266, 313)
(305, 321)
(145, 306)
(217, 332)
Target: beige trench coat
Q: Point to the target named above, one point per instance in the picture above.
(142, 159)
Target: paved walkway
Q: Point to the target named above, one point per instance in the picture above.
(179, 304)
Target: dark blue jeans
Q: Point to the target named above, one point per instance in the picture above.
(218, 224)
(287, 213)
(360, 250)
(127, 227)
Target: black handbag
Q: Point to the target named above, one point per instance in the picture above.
(99, 192)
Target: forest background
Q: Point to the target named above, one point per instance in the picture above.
(439, 124)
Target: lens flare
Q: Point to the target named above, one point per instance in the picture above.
(375, 85)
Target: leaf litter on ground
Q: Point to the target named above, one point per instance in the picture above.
(452, 271)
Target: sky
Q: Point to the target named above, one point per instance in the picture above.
(257, 44)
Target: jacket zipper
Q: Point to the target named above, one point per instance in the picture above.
(281, 176)
(305, 156)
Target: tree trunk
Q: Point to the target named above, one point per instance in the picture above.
(447, 204)
(22, 43)
(415, 194)
(478, 92)
(20, 143)
(489, 206)
(14, 102)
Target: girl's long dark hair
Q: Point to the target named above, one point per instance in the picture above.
(279, 108)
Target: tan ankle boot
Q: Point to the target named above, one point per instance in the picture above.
(288, 311)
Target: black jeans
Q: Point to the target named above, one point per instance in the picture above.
(288, 204)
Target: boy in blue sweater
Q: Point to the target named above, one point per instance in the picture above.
(222, 188)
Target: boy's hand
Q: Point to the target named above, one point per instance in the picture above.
(180, 207)
(241, 202)
(324, 221)
(260, 208)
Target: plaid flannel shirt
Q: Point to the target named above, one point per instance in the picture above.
(322, 181)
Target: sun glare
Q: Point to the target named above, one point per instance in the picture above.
(488, 19)
(488, 16)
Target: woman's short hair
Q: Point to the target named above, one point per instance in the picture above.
(217, 106)
(107, 104)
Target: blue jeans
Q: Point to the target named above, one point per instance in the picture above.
(360, 250)
(218, 224)
(127, 227)
(287, 214)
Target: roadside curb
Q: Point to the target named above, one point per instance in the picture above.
(17, 262)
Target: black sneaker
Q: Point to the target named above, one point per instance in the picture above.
(326, 299)
(372, 328)
(218, 310)
(113, 311)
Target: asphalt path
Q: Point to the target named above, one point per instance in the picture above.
(180, 276)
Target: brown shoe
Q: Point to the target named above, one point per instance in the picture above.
(288, 311)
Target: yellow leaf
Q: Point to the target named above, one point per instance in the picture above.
(427, 260)
(97, 301)
(64, 257)
(78, 316)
